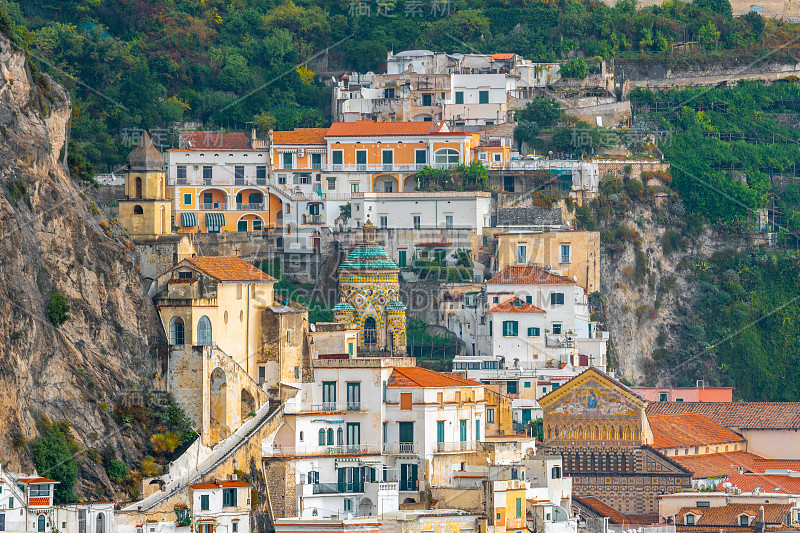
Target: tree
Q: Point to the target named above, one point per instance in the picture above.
(235, 74)
(117, 471)
(526, 132)
(264, 122)
(708, 33)
(54, 459)
(544, 112)
(58, 308)
(575, 68)
(345, 211)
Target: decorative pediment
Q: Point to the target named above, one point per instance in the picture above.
(592, 393)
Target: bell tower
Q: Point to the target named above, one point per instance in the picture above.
(145, 213)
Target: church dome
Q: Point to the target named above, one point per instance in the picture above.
(145, 156)
(368, 256)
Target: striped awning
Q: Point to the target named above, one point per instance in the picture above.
(188, 220)
(215, 221)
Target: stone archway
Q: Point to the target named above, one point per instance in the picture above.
(218, 420)
(248, 405)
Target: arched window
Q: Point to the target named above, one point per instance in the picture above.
(370, 331)
(621, 434)
(138, 192)
(137, 210)
(330, 436)
(339, 437)
(41, 522)
(100, 524)
(204, 331)
(176, 337)
(445, 158)
(322, 437)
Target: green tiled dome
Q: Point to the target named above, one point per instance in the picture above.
(399, 306)
(343, 306)
(368, 256)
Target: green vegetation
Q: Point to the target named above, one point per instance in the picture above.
(117, 471)
(53, 455)
(317, 310)
(416, 334)
(58, 308)
(472, 177)
(576, 68)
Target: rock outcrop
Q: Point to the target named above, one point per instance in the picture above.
(53, 238)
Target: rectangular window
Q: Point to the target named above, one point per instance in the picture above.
(405, 433)
(448, 221)
(208, 175)
(238, 175)
(288, 161)
(353, 433)
(420, 157)
(459, 97)
(329, 393)
(565, 253)
(477, 429)
(181, 174)
(689, 519)
(257, 226)
(529, 299)
(522, 254)
(229, 497)
(519, 507)
(297, 372)
(2, 521)
(385, 432)
(512, 387)
(316, 160)
(354, 189)
(427, 100)
(187, 199)
(483, 97)
(235, 527)
(388, 92)
(354, 396)
(662, 397)
(11, 503)
(462, 430)
(262, 375)
(534, 332)
(204, 502)
(556, 473)
(417, 222)
(490, 328)
(348, 505)
(527, 384)
(703, 504)
(510, 328)
(556, 329)
(40, 491)
(387, 159)
(241, 225)
(82, 521)
(440, 431)
(405, 401)
(490, 416)
(337, 158)
(384, 222)
(557, 298)
(261, 175)
(401, 258)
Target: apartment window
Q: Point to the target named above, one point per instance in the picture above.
(229, 497)
(235, 527)
(744, 520)
(241, 225)
(401, 258)
(204, 502)
(388, 93)
(238, 175)
(510, 328)
(556, 329)
(262, 375)
(82, 521)
(448, 221)
(385, 432)
(281, 179)
(316, 160)
(337, 158)
(261, 175)
(689, 519)
(353, 433)
(483, 97)
(495, 299)
(329, 392)
(288, 160)
(512, 387)
(703, 504)
(519, 507)
(420, 157)
(384, 222)
(297, 372)
(522, 254)
(527, 384)
(11, 503)
(387, 159)
(331, 183)
(440, 398)
(354, 189)
(405, 401)
(427, 100)
(557, 298)
(662, 397)
(348, 504)
(354, 396)
(490, 416)
(490, 328)
(257, 225)
(556, 472)
(208, 174)
(529, 299)
(678, 399)
(459, 97)
(187, 199)
(417, 222)
(2, 522)
(534, 332)
(565, 253)
(181, 174)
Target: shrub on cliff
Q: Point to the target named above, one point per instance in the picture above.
(58, 308)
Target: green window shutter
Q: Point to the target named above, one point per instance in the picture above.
(519, 507)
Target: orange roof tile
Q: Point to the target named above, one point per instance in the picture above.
(527, 275)
(502, 56)
(237, 483)
(716, 464)
(216, 140)
(29, 480)
(688, 429)
(742, 415)
(206, 486)
(516, 305)
(767, 482)
(729, 515)
(229, 269)
(415, 376)
(761, 464)
(314, 136)
(602, 509)
(370, 128)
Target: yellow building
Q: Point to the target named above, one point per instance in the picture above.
(574, 254)
(145, 213)
(507, 505)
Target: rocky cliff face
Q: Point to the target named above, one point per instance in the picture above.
(53, 238)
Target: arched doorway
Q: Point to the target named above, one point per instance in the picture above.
(366, 508)
(248, 404)
(40, 522)
(385, 183)
(138, 191)
(410, 183)
(370, 332)
(219, 405)
(204, 331)
(101, 524)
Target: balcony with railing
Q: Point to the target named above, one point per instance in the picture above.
(373, 167)
(211, 206)
(456, 447)
(329, 451)
(252, 206)
(400, 447)
(304, 408)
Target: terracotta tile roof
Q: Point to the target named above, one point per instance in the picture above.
(39, 501)
(516, 305)
(416, 376)
(30, 480)
(743, 415)
(643, 519)
(314, 136)
(206, 486)
(528, 275)
(761, 464)
(370, 128)
(767, 482)
(716, 464)
(502, 56)
(216, 140)
(237, 483)
(229, 269)
(602, 509)
(711, 529)
(729, 515)
(688, 429)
